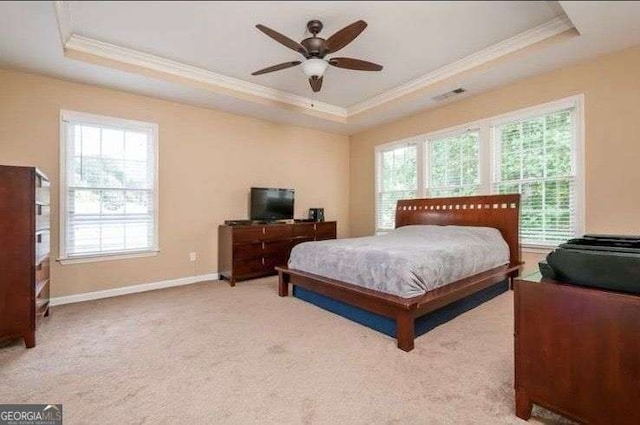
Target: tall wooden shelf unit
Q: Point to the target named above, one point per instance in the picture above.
(24, 256)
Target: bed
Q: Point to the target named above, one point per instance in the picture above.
(406, 296)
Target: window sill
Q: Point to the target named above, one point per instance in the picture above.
(106, 257)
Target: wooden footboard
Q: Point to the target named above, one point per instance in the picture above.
(403, 310)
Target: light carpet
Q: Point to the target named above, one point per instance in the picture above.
(209, 353)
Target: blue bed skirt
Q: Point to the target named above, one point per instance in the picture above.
(386, 325)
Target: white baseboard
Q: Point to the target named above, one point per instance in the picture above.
(107, 293)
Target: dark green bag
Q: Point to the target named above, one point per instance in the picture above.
(600, 261)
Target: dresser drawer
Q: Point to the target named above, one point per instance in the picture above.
(277, 232)
(325, 230)
(43, 217)
(248, 234)
(42, 271)
(271, 263)
(43, 190)
(304, 229)
(248, 267)
(247, 250)
(42, 245)
(277, 248)
(260, 249)
(43, 293)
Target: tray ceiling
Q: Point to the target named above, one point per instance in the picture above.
(204, 52)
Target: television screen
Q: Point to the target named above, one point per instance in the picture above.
(271, 204)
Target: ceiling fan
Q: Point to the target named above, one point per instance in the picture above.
(314, 49)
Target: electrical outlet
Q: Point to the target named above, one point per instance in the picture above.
(193, 256)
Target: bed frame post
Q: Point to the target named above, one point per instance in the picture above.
(405, 330)
(283, 283)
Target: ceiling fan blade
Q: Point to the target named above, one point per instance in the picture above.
(277, 67)
(283, 39)
(345, 36)
(316, 83)
(357, 64)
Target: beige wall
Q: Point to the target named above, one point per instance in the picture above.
(611, 86)
(208, 162)
(209, 159)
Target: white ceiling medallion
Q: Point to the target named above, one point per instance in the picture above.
(107, 54)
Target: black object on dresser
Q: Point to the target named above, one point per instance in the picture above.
(24, 257)
(316, 214)
(247, 252)
(609, 262)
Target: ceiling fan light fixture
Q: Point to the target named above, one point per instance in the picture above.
(314, 67)
(315, 49)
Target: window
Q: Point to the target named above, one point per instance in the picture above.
(108, 187)
(453, 165)
(534, 158)
(536, 152)
(397, 179)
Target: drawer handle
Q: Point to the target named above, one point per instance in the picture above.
(262, 245)
(39, 238)
(39, 210)
(264, 230)
(263, 261)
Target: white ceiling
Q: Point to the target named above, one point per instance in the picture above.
(408, 38)
(411, 39)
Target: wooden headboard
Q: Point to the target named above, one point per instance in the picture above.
(501, 212)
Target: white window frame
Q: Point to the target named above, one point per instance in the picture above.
(426, 151)
(487, 157)
(378, 177)
(152, 128)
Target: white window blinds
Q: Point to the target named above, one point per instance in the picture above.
(453, 165)
(535, 157)
(109, 191)
(536, 152)
(397, 179)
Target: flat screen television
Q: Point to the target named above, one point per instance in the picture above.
(269, 204)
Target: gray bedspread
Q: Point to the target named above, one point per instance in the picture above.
(408, 261)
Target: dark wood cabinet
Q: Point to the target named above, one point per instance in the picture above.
(24, 257)
(577, 352)
(250, 251)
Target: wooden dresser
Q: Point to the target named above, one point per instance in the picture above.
(24, 257)
(577, 352)
(250, 251)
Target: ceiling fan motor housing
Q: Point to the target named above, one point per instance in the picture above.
(316, 46)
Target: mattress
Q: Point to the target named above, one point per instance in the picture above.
(407, 261)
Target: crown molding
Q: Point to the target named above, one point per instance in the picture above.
(100, 52)
(63, 18)
(159, 64)
(525, 39)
